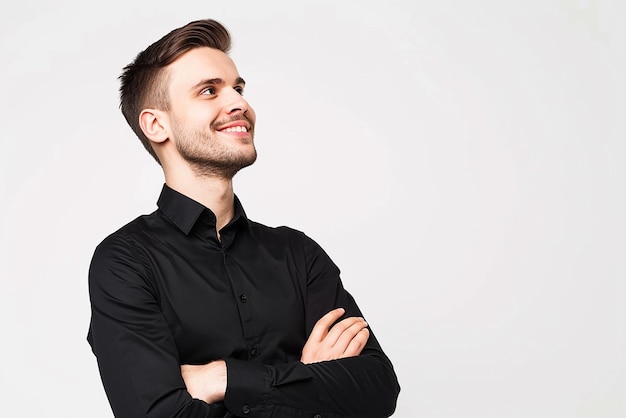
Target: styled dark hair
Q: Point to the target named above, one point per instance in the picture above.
(144, 81)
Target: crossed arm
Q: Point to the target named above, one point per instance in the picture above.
(139, 364)
(346, 338)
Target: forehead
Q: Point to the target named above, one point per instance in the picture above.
(201, 64)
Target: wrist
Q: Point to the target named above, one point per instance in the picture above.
(216, 381)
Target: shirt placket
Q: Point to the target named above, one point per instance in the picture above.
(245, 304)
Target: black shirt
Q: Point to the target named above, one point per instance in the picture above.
(166, 291)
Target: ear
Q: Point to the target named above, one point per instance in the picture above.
(153, 123)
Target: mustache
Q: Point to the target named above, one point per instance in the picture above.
(231, 119)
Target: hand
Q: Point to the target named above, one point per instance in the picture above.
(345, 339)
(206, 381)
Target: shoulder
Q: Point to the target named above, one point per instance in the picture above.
(126, 235)
(125, 244)
(120, 263)
(297, 240)
(280, 233)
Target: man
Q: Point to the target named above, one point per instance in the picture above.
(198, 311)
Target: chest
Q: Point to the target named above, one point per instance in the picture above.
(243, 303)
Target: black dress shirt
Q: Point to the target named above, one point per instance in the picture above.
(166, 291)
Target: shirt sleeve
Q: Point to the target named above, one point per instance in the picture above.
(357, 387)
(136, 353)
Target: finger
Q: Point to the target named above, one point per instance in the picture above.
(319, 331)
(357, 343)
(342, 334)
(351, 325)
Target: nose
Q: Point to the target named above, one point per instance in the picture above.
(235, 103)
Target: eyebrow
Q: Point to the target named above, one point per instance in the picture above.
(216, 81)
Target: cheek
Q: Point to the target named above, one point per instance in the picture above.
(200, 116)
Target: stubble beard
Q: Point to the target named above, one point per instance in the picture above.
(208, 157)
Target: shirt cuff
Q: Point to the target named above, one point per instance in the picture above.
(247, 386)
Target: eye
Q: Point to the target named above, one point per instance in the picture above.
(239, 90)
(208, 91)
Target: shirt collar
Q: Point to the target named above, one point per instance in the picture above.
(185, 212)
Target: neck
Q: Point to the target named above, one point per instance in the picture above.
(215, 193)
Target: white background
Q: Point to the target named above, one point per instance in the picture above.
(462, 162)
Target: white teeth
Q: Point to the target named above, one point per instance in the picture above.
(236, 129)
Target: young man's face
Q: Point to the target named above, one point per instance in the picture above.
(212, 124)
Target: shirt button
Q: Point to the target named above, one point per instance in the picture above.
(317, 416)
(243, 298)
(246, 410)
(253, 351)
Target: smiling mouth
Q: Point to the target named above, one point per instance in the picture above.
(235, 129)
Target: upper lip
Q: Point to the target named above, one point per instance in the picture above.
(235, 123)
